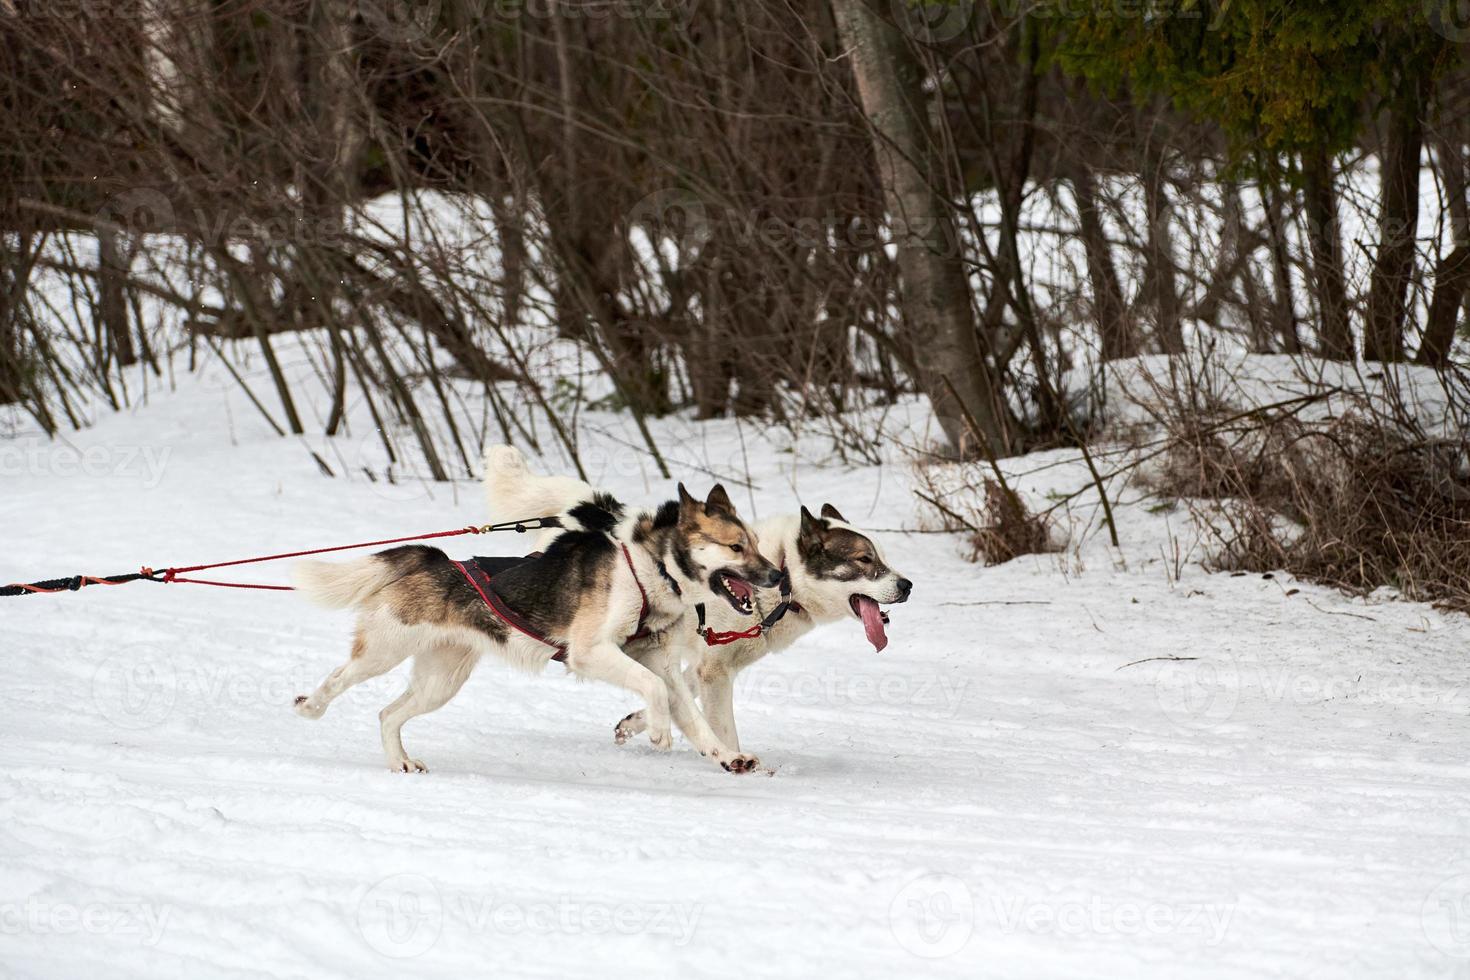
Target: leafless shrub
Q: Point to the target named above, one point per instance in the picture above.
(1210, 452)
(1009, 529)
(1359, 499)
(997, 524)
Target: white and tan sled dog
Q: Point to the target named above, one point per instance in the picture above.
(834, 573)
(608, 576)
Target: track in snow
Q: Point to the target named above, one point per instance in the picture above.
(991, 796)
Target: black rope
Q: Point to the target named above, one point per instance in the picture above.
(72, 583)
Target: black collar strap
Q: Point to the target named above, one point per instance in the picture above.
(715, 638)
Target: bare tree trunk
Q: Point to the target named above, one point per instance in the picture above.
(1322, 231)
(935, 294)
(1283, 296)
(1165, 291)
(1008, 287)
(1262, 329)
(331, 87)
(511, 234)
(1398, 219)
(1116, 334)
(1050, 410)
(1230, 261)
(112, 304)
(15, 274)
(1452, 273)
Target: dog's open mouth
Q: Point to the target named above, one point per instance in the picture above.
(874, 619)
(737, 592)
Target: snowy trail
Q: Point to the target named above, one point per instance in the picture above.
(991, 796)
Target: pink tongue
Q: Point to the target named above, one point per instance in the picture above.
(872, 622)
(738, 586)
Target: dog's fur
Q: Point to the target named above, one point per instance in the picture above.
(830, 563)
(579, 593)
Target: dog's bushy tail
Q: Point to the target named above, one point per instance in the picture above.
(513, 492)
(338, 585)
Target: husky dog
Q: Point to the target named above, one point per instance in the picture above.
(836, 573)
(604, 578)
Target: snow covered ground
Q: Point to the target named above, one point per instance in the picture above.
(1022, 785)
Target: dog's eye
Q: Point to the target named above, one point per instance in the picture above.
(738, 549)
(865, 560)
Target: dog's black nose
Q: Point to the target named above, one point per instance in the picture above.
(904, 588)
(773, 577)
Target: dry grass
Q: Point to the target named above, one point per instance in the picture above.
(996, 522)
(1008, 529)
(1359, 501)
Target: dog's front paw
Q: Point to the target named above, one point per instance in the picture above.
(407, 765)
(740, 763)
(629, 727)
(661, 739)
(307, 708)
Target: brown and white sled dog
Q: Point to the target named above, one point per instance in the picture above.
(837, 573)
(585, 593)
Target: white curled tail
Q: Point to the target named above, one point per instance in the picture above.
(514, 493)
(338, 585)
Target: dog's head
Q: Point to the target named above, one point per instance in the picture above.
(843, 568)
(713, 547)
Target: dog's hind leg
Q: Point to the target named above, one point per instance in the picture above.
(369, 659)
(636, 724)
(607, 662)
(632, 725)
(438, 674)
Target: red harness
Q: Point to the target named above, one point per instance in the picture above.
(482, 582)
(718, 638)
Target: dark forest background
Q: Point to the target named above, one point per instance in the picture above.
(788, 210)
(761, 208)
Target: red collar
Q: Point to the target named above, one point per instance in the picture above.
(716, 638)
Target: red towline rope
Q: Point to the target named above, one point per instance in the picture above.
(172, 574)
(168, 575)
(718, 638)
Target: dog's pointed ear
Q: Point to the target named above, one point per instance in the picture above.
(811, 528)
(718, 500)
(830, 512)
(687, 504)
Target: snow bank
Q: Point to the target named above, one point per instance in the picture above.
(1089, 764)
